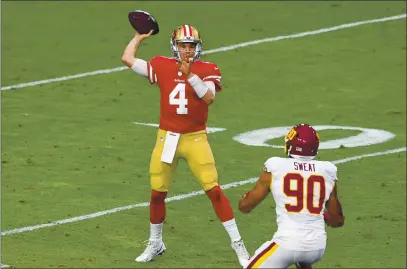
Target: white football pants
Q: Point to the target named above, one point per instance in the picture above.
(271, 255)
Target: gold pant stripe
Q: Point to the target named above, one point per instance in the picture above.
(264, 256)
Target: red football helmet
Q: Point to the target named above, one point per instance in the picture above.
(301, 140)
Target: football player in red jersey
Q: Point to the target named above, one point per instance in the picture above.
(187, 87)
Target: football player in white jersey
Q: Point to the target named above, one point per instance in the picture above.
(305, 194)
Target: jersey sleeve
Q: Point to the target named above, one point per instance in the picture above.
(153, 67)
(213, 74)
(140, 67)
(270, 165)
(331, 171)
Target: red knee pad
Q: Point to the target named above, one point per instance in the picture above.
(215, 193)
(158, 196)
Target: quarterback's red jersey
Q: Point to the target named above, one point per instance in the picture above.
(181, 110)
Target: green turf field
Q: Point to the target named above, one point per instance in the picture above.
(70, 148)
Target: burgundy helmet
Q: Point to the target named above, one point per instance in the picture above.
(301, 140)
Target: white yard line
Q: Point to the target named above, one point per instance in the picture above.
(175, 198)
(226, 48)
(209, 130)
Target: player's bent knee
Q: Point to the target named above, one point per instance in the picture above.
(210, 183)
(209, 186)
(208, 176)
(158, 183)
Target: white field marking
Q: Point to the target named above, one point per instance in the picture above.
(208, 129)
(366, 137)
(175, 198)
(226, 48)
(369, 155)
(4, 265)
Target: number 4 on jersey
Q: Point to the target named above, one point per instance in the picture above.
(181, 101)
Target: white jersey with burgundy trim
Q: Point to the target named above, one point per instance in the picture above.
(300, 189)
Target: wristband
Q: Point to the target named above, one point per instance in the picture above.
(198, 85)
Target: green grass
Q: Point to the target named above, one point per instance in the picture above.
(71, 148)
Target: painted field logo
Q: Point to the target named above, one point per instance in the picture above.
(367, 137)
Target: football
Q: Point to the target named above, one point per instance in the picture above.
(143, 22)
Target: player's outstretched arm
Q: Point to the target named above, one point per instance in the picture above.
(254, 197)
(334, 216)
(129, 54)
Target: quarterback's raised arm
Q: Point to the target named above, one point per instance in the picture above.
(334, 216)
(129, 55)
(254, 197)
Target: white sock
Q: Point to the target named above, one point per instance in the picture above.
(156, 231)
(233, 231)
